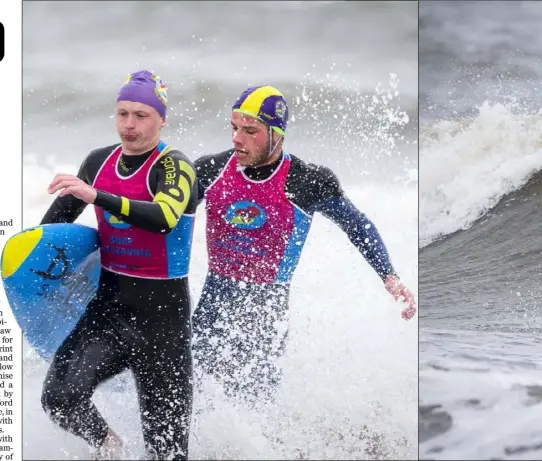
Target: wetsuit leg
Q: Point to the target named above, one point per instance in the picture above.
(239, 334)
(208, 337)
(162, 366)
(142, 324)
(90, 355)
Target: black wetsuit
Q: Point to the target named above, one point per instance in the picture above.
(132, 323)
(240, 328)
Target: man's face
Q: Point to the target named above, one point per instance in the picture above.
(138, 126)
(250, 140)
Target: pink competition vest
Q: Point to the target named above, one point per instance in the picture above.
(254, 233)
(128, 250)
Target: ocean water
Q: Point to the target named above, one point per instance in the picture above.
(350, 387)
(480, 245)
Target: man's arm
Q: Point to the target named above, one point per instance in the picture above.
(68, 208)
(327, 197)
(361, 232)
(335, 205)
(208, 167)
(172, 195)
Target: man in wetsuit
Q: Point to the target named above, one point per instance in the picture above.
(145, 195)
(260, 202)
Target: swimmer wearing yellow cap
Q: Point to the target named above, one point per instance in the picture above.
(260, 203)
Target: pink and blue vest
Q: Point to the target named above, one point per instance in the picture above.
(128, 250)
(254, 232)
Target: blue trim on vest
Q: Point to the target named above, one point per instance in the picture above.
(292, 252)
(179, 247)
(161, 146)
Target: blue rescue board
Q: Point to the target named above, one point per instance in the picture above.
(50, 273)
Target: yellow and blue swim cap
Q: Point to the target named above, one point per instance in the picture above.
(266, 104)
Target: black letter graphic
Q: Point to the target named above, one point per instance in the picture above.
(60, 257)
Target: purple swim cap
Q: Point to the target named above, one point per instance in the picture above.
(147, 88)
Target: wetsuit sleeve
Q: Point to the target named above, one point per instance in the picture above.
(201, 172)
(335, 205)
(174, 187)
(68, 208)
(208, 167)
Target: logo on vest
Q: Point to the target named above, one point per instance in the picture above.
(115, 222)
(246, 215)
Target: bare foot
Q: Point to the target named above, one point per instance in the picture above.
(111, 448)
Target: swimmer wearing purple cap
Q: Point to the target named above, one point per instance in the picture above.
(144, 195)
(141, 111)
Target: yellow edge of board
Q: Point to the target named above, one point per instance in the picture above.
(18, 248)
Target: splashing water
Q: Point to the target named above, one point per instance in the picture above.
(350, 370)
